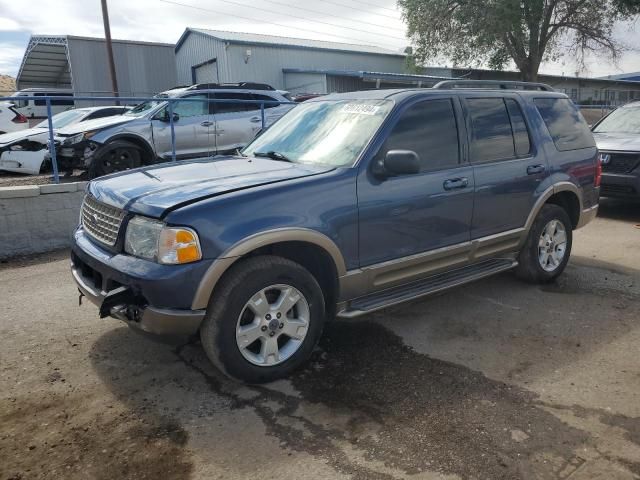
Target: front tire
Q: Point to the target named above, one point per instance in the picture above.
(115, 157)
(548, 247)
(264, 320)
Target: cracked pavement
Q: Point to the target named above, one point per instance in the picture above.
(496, 379)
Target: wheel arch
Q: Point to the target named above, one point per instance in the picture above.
(564, 194)
(310, 248)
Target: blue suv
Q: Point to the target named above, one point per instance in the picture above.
(348, 204)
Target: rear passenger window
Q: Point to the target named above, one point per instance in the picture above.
(265, 98)
(429, 129)
(233, 107)
(519, 127)
(491, 135)
(568, 129)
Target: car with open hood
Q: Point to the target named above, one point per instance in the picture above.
(348, 204)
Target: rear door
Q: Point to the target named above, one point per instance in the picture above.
(236, 123)
(192, 129)
(507, 167)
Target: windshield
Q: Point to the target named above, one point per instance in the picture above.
(63, 119)
(325, 132)
(144, 107)
(622, 120)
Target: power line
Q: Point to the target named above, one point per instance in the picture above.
(375, 5)
(357, 9)
(230, 2)
(329, 14)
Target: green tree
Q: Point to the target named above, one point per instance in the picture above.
(525, 31)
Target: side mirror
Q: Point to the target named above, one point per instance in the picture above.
(165, 117)
(399, 162)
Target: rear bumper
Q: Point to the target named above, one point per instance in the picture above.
(620, 185)
(587, 215)
(147, 296)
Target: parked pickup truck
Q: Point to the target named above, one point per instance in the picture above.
(348, 204)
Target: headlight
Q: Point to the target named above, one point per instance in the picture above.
(78, 138)
(155, 241)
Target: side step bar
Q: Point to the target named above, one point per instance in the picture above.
(436, 283)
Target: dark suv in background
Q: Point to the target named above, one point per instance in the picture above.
(348, 204)
(618, 138)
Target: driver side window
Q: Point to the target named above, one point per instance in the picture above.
(428, 128)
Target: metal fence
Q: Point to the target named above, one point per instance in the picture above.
(132, 101)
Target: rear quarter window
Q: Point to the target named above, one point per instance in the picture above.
(566, 126)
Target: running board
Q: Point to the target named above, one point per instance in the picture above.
(436, 283)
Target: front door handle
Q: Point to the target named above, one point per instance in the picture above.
(255, 119)
(535, 169)
(454, 183)
(206, 124)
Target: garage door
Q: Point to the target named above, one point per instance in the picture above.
(207, 73)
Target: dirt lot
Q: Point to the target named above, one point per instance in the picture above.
(496, 380)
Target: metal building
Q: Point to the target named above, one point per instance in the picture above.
(293, 64)
(80, 64)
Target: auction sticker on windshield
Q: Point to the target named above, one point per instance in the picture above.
(361, 108)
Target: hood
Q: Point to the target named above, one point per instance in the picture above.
(13, 137)
(155, 190)
(97, 124)
(629, 142)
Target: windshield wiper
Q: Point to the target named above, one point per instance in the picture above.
(272, 155)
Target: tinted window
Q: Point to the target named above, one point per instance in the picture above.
(429, 129)
(519, 127)
(566, 126)
(53, 101)
(106, 112)
(231, 107)
(192, 108)
(491, 137)
(266, 98)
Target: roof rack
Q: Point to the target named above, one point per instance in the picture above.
(495, 84)
(245, 85)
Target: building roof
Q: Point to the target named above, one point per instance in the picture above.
(276, 41)
(384, 76)
(46, 59)
(622, 76)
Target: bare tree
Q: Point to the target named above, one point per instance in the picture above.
(525, 31)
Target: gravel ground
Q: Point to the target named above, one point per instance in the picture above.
(494, 380)
(8, 179)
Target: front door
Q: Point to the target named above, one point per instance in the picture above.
(404, 216)
(192, 128)
(236, 123)
(507, 167)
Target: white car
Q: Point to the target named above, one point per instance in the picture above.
(24, 151)
(10, 119)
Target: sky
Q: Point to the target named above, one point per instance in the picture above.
(367, 22)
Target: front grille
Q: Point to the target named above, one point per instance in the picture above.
(621, 163)
(101, 221)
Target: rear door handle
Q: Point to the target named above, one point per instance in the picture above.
(206, 124)
(454, 183)
(535, 169)
(255, 119)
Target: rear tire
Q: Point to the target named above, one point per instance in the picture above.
(548, 247)
(115, 157)
(264, 320)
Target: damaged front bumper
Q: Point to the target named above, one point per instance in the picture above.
(138, 292)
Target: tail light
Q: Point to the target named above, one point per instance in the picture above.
(598, 177)
(19, 118)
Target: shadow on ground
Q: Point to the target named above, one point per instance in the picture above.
(370, 406)
(616, 209)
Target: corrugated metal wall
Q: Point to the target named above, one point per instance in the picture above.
(266, 63)
(197, 49)
(305, 82)
(141, 69)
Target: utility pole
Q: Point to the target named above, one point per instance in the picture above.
(107, 36)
